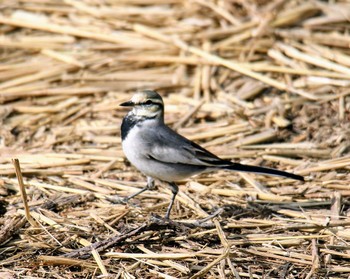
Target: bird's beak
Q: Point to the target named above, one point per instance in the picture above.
(127, 104)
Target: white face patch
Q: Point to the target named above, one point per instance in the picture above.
(139, 98)
(148, 111)
(143, 106)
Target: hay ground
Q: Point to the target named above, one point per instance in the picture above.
(261, 82)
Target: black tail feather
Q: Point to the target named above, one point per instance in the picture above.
(262, 170)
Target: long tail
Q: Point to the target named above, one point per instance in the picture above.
(249, 168)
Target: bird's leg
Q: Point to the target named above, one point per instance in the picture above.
(174, 190)
(149, 186)
(118, 200)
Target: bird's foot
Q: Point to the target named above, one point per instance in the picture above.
(117, 199)
(189, 224)
(122, 200)
(211, 216)
(164, 221)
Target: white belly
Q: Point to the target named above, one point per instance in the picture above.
(136, 151)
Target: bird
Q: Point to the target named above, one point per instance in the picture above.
(162, 154)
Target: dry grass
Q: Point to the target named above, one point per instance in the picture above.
(263, 82)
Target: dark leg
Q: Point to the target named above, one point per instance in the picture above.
(174, 190)
(149, 186)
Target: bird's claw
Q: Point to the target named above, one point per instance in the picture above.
(117, 200)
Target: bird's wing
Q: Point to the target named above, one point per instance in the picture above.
(170, 147)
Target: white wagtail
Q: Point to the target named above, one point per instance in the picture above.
(160, 153)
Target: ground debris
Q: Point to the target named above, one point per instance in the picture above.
(261, 82)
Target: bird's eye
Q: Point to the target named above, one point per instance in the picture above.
(148, 102)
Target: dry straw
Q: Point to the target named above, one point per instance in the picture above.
(261, 82)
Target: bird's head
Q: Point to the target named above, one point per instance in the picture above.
(146, 104)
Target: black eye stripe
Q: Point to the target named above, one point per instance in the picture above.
(150, 102)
